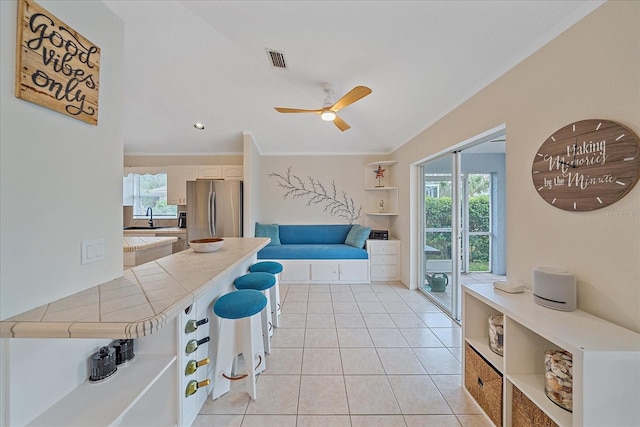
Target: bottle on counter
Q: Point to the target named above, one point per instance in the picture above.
(193, 345)
(194, 385)
(192, 365)
(193, 324)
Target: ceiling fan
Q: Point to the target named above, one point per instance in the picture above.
(329, 109)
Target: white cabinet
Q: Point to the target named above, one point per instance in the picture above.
(177, 177)
(210, 172)
(606, 357)
(382, 198)
(384, 259)
(324, 271)
(127, 189)
(232, 172)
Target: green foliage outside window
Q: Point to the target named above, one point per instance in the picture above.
(438, 215)
(153, 194)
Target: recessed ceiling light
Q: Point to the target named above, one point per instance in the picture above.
(198, 126)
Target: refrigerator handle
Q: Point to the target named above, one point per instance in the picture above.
(212, 213)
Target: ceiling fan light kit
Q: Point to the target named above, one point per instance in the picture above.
(329, 110)
(328, 115)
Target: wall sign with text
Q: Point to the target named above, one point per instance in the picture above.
(56, 67)
(587, 165)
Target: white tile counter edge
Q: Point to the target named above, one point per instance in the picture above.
(137, 304)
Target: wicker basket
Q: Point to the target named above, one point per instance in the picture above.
(484, 384)
(526, 414)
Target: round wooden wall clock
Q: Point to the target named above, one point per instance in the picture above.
(587, 165)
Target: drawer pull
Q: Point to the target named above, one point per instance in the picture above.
(480, 383)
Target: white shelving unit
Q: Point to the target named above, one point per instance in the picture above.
(380, 190)
(142, 392)
(606, 357)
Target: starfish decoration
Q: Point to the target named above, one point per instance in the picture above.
(379, 175)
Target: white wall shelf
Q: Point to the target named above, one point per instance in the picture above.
(606, 357)
(380, 190)
(108, 402)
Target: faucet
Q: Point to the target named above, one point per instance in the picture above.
(150, 213)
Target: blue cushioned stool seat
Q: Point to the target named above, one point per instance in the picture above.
(275, 268)
(266, 267)
(239, 331)
(259, 281)
(240, 304)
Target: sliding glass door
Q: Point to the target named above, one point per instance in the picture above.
(463, 221)
(441, 237)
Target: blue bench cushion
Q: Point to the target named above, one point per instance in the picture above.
(314, 234)
(312, 251)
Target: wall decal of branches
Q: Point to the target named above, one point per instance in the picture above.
(316, 193)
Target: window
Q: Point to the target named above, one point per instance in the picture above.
(150, 191)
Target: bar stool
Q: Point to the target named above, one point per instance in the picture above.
(260, 282)
(274, 268)
(239, 332)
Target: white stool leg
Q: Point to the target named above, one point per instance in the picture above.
(275, 302)
(225, 354)
(267, 327)
(253, 351)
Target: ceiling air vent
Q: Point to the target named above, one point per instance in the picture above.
(277, 58)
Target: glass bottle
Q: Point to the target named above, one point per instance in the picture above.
(193, 324)
(193, 386)
(192, 365)
(193, 345)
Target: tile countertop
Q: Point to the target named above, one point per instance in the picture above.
(137, 243)
(143, 300)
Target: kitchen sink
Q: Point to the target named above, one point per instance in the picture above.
(142, 228)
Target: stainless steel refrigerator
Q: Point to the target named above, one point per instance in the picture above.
(214, 209)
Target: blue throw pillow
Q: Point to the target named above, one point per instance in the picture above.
(357, 236)
(268, 230)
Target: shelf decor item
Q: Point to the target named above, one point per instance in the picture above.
(379, 176)
(496, 333)
(558, 379)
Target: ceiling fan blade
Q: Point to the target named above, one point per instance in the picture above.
(295, 110)
(341, 124)
(352, 96)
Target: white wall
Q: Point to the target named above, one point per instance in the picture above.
(347, 172)
(591, 71)
(61, 183)
(252, 173)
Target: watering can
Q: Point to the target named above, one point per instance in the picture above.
(438, 282)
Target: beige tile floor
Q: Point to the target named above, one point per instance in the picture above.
(355, 355)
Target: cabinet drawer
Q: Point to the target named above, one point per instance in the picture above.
(484, 384)
(384, 249)
(384, 260)
(384, 271)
